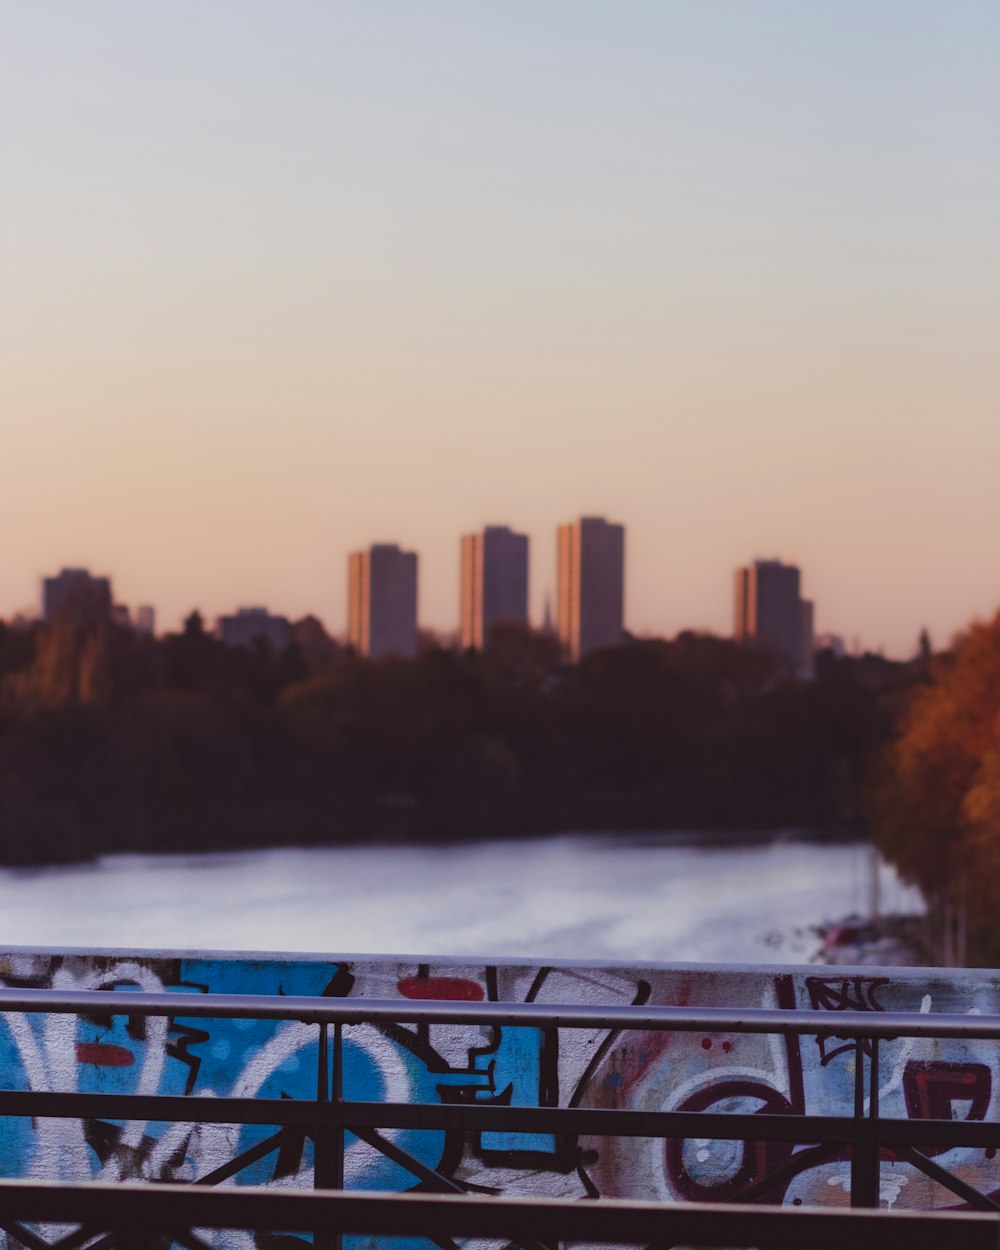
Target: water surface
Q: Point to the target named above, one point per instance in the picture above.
(570, 897)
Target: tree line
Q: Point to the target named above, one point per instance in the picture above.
(933, 796)
(111, 742)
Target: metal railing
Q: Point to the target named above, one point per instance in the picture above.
(119, 1214)
(132, 1212)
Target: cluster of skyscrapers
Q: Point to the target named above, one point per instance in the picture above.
(493, 571)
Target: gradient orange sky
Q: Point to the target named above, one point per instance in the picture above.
(280, 280)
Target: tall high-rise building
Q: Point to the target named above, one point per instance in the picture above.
(77, 596)
(494, 583)
(590, 601)
(769, 609)
(382, 601)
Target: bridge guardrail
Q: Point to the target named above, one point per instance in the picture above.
(326, 1120)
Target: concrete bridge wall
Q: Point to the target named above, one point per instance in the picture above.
(526, 1067)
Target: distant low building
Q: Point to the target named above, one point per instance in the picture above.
(382, 601)
(831, 642)
(249, 627)
(23, 621)
(144, 621)
(76, 596)
(315, 645)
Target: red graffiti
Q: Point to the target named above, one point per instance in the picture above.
(757, 1158)
(931, 1087)
(441, 987)
(104, 1055)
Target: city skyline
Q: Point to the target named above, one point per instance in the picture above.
(543, 599)
(404, 596)
(767, 606)
(297, 283)
(383, 598)
(149, 617)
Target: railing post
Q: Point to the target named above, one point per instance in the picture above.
(324, 1137)
(876, 1160)
(337, 1098)
(337, 1130)
(873, 1079)
(865, 1154)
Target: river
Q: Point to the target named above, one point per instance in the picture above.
(617, 897)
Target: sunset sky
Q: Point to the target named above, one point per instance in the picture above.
(283, 278)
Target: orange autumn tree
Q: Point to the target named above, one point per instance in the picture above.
(935, 802)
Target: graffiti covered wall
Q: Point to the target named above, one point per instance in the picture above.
(526, 1067)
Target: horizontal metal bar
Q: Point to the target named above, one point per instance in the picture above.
(348, 1011)
(978, 1134)
(713, 1125)
(584, 1122)
(166, 1108)
(486, 1117)
(154, 1207)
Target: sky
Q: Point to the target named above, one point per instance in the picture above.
(281, 279)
